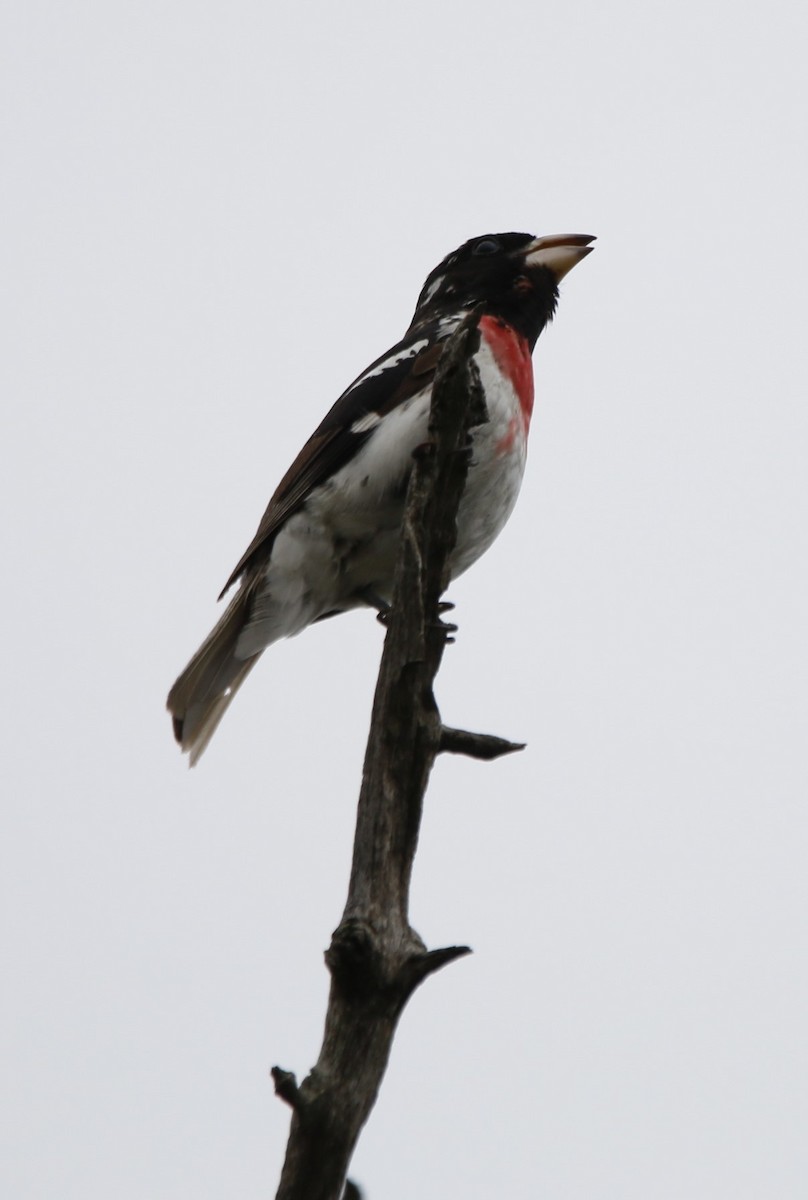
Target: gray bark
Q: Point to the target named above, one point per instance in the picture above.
(376, 959)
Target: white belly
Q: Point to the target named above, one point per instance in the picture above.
(344, 540)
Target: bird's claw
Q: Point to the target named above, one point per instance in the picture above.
(446, 628)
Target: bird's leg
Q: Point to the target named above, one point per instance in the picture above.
(374, 600)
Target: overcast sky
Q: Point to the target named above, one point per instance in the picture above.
(213, 217)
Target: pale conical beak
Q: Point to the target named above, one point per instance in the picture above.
(559, 252)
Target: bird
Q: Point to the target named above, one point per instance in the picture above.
(327, 541)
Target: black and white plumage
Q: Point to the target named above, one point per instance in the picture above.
(328, 539)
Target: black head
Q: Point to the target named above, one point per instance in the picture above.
(512, 275)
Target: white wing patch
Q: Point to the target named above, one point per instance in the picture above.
(392, 361)
(366, 423)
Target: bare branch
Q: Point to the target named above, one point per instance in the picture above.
(475, 745)
(376, 958)
(286, 1086)
(423, 965)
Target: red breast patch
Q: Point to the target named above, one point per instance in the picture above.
(512, 355)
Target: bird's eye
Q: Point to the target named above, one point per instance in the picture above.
(487, 246)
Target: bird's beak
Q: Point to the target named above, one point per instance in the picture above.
(559, 252)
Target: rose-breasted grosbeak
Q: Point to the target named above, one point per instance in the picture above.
(327, 541)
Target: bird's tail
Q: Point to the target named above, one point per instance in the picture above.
(199, 698)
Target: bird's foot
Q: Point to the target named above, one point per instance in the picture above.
(447, 628)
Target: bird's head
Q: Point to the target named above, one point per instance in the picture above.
(511, 275)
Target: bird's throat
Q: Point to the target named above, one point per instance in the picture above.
(511, 352)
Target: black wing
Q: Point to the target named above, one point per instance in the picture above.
(406, 369)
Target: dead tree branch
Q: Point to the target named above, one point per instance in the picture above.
(375, 958)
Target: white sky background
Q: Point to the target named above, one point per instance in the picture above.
(214, 216)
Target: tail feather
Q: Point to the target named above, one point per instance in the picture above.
(200, 697)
